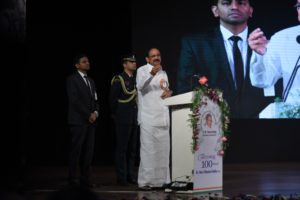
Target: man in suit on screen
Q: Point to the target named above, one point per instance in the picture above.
(222, 54)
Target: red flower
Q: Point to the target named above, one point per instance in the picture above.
(224, 139)
(203, 80)
(221, 153)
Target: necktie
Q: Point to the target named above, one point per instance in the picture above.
(88, 83)
(238, 63)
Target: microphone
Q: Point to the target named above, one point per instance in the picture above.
(292, 78)
(192, 84)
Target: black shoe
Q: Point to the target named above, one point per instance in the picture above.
(122, 183)
(132, 181)
(87, 184)
(157, 188)
(163, 187)
(73, 182)
(145, 188)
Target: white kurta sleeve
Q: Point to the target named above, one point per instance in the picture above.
(266, 70)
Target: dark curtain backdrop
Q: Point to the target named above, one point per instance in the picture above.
(56, 33)
(35, 130)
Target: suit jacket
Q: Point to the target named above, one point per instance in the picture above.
(81, 101)
(126, 112)
(204, 54)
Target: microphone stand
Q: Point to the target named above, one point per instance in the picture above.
(192, 81)
(291, 80)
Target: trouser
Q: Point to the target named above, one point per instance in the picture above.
(125, 153)
(81, 153)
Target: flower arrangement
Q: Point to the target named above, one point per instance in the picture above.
(216, 96)
(291, 111)
(288, 110)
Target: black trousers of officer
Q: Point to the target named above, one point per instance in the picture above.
(82, 150)
(126, 135)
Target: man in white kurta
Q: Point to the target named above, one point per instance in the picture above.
(153, 117)
(276, 58)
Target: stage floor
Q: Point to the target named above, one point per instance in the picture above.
(251, 178)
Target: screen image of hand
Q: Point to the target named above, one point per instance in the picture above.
(258, 41)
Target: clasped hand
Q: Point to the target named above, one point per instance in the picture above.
(166, 93)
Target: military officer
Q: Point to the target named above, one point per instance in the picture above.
(123, 104)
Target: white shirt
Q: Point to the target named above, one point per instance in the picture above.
(82, 75)
(151, 107)
(242, 44)
(85, 80)
(278, 62)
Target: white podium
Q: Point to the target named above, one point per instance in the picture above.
(182, 159)
(204, 169)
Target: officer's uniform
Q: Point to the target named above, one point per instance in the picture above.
(124, 111)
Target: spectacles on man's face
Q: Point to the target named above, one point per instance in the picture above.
(297, 6)
(154, 55)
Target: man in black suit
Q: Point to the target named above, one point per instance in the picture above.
(223, 55)
(82, 115)
(123, 104)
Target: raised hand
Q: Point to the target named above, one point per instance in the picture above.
(155, 69)
(258, 41)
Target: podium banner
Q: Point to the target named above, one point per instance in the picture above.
(208, 164)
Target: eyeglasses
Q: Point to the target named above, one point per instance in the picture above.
(155, 55)
(297, 6)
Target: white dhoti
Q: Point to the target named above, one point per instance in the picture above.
(154, 152)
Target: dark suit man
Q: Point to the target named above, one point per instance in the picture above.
(124, 111)
(82, 115)
(212, 54)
